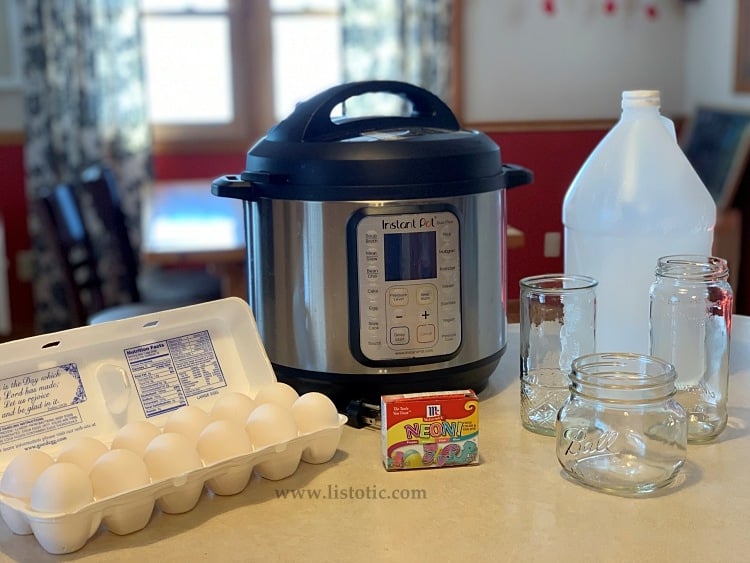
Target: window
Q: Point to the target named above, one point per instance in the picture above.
(306, 50)
(196, 40)
(221, 72)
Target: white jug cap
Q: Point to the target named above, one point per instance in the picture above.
(641, 98)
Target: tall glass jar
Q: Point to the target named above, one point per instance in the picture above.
(621, 430)
(558, 318)
(691, 319)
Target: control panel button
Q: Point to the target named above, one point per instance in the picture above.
(447, 234)
(449, 273)
(398, 297)
(373, 292)
(398, 315)
(426, 294)
(426, 333)
(399, 335)
(374, 341)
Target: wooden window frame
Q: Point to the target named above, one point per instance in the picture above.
(252, 77)
(742, 63)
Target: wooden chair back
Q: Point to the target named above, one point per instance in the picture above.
(100, 184)
(61, 219)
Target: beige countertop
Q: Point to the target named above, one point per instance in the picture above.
(516, 505)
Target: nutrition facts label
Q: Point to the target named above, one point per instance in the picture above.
(167, 372)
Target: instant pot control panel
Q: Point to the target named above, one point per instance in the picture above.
(404, 284)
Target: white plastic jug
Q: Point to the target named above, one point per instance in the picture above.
(635, 199)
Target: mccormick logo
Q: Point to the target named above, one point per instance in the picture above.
(409, 224)
(432, 411)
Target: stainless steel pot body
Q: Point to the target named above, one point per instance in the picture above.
(376, 245)
(300, 284)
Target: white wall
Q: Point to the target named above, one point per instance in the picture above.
(11, 100)
(710, 52)
(521, 63)
(11, 110)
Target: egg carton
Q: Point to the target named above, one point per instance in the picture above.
(92, 381)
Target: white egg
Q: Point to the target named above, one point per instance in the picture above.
(222, 440)
(62, 487)
(314, 411)
(233, 406)
(278, 393)
(170, 455)
(135, 436)
(117, 471)
(188, 421)
(18, 482)
(22, 472)
(270, 424)
(83, 451)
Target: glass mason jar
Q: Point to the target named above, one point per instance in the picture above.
(690, 322)
(621, 430)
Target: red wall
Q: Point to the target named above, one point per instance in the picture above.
(191, 165)
(14, 210)
(553, 156)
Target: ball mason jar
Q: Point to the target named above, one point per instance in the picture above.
(690, 321)
(621, 430)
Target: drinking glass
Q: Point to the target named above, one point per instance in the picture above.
(558, 318)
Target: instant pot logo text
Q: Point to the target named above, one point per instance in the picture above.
(409, 224)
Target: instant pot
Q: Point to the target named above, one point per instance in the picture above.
(376, 246)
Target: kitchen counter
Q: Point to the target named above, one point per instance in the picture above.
(516, 505)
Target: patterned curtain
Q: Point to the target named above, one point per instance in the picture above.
(85, 103)
(407, 40)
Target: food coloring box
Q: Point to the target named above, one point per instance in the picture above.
(86, 385)
(422, 430)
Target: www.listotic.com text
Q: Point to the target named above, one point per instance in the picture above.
(339, 492)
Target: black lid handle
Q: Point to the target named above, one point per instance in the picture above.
(311, 120)
(515, 175)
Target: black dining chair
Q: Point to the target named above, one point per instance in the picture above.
(62, 223)
(175, 286)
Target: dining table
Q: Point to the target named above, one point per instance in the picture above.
(184, 225)
(515, 504)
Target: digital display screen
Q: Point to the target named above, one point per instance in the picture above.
(410, 256)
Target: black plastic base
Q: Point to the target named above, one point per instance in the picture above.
(345, 388)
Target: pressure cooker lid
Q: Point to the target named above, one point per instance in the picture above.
(426, 153)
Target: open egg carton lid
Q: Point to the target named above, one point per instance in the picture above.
(94, 380)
